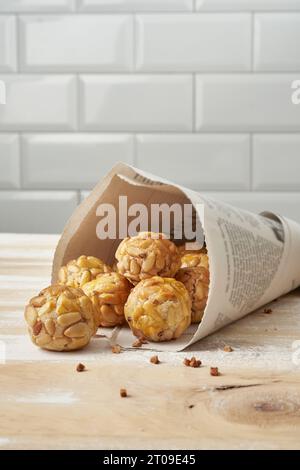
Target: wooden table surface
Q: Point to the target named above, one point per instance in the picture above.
(45, 403)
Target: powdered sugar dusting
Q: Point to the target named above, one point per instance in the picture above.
(19, 348)
(4, 441)
(49, 396)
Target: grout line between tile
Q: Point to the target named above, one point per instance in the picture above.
(251, 161)
(194, 102)
(148, 132)
(134, 156)
(150, 73)
(78, 103)
(134, 43)
(20, 160)
(18, 44)
(252, 41)
(148, 12)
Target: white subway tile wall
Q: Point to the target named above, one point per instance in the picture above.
(277, 39)
(198, 91)
(39, 102)
(77, 157)
(9, 161)
(135, 5)
(247, 5)
(8, 43)
(276, 162)
(37, 6)
(36, 212)
(78, 42)
(210, 157)
(246, 102)
(179, 42)
(136, 102)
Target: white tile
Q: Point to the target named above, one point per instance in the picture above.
(194, 42)
(200, 162)
(136, 103)
(276, 162)
(71, 161)
(76, 42)
(36, 211)
(276, 42)
(9, 161)
(135, 5)
(286, 204)
(23, 6)
(247, 5)
(246, 103)
(39, 102)
(8, 58)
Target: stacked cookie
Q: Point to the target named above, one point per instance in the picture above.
(158, 288)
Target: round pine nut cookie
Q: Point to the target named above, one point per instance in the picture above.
(146, 255)
(196, 281)
(194, 259)
(60, 318)
(82, 270)
(158, 309)
(108, 294)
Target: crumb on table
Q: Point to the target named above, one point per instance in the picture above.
(193, 362)
(268, 310)
(214, 371)
(154, 360)
(123, 393)
(116, 349)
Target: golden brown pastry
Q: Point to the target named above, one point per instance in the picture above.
(82, 270)
(147, 255)
(158, 309)
(60, 318)
(108, 294)
(196, 281)
(194, 259)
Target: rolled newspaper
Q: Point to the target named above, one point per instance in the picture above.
(253, 258)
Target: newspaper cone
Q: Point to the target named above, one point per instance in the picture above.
(253, 258)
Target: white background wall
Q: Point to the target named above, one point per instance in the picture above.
(197, 91)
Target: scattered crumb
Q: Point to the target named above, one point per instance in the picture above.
(191, 406)
(139, 342)
(267, 310)
(116, 349)
(123, 393)
(80, 367)
(228, 348)
(154, 360)
(214, 371)
(193, 362)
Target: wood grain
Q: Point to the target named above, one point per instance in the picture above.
(45, 403)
